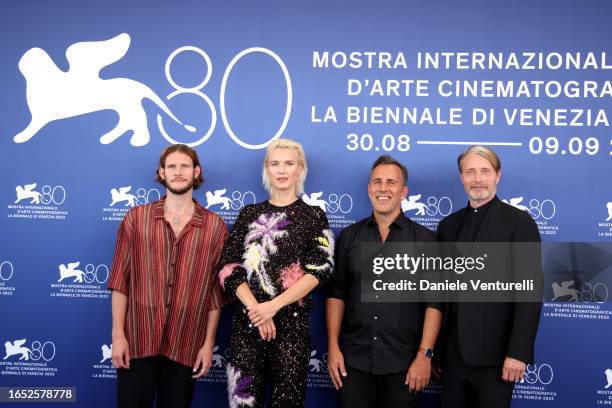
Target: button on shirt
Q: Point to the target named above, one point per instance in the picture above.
(470, 225)
(170, 281)
(380, 338)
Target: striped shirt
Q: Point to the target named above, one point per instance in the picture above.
(170, 281)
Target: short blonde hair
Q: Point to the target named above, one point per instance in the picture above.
(286, 144)
(483, 152)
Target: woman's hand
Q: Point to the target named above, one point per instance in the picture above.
(261, 313)
(267, 330)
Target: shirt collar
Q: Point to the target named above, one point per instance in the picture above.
(198, 212)
(401, 221)
(482, 208)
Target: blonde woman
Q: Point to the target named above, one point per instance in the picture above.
(278, 252)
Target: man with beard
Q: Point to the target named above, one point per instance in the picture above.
(488, 345)
(166, 302)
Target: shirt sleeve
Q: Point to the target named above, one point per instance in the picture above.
(429, 239)
(527, 260)
(232, 272)
(120, 270)
(339, 279)
(217, 297)
(319, 259)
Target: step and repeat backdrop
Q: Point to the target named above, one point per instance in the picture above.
(93, 91)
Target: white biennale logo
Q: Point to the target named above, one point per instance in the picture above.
(314, 199)
(609, 206)
(412, 203)
(27, 191)
(586, 292)
(53, 94)
(516, 202)
(71, 272)
(234, 201)
(218, 198)
(565, 289)
(123, 194)
(315, 364)
(106, 352)
(15, 348)
(542, 210)
(430, 206)
(608, 378)
(217, 359)
(333, 203)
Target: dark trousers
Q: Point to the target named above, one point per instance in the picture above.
(151, 377)
(468, 386)
(282, 363)
(366, 390)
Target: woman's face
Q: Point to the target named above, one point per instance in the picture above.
(283, 169)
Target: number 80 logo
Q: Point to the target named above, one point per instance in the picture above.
(196, 90)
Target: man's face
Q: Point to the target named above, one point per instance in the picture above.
(479, 179)
(179, 173)
(386, 189)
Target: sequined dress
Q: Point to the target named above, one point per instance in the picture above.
(270, 248)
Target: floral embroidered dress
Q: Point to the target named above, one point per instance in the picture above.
(270, 248)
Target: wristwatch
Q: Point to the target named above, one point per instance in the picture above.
(427, 352)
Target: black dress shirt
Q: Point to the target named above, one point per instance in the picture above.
(380, 338)
(468, 231)
(471, 222)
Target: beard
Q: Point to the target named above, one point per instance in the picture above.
(482, 194)
(182, 190)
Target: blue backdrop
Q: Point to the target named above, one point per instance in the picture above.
(93, 91)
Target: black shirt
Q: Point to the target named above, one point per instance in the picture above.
(468, 231)
(472, 221)
(380, 338)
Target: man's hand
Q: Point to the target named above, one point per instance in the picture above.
(267, 330)
(120, 355)
(203, 361)
(513, 370)
(335, 366)
(418, 374)
(260, 313)
(436, 370)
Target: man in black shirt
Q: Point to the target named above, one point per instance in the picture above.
(385, 359)
(487, 346)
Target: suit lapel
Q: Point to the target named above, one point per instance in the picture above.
(456, 225)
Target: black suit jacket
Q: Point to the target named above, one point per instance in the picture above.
(488, 332)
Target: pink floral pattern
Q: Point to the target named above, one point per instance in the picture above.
(289, 275)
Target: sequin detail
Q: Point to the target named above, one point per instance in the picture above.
(225, 272)
(260, 243)
(236, 388)
(326, 245)
(272, 245)
(289, 275)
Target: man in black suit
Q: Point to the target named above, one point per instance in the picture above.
(488, 345)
